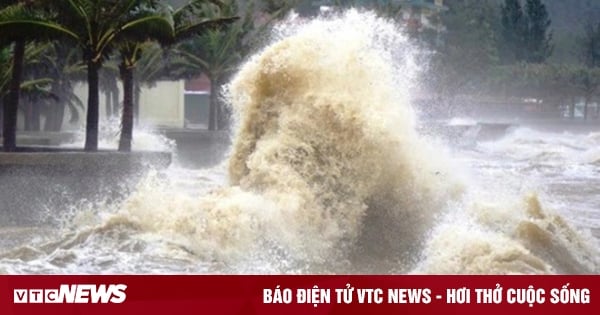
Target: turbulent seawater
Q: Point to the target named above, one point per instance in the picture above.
(328, 173)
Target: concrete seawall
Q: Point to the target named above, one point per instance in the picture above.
(37, 184)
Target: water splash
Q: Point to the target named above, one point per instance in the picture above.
(145, 137)
(326, 174)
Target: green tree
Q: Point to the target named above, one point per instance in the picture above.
(216, 53)
(539, 36)
(11, 10)
(32, 87)
(109, 85)
(21, 22)
(467, 50)
(587, 82)
(568, 18)
(59, 65)
(4, 79)
(99, 26)
(63, 65)
(187, 21)
(34, 69)
(513, 32)
(589, 44)
(95, 26)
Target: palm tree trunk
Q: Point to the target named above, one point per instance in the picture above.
(10, 107)
(2, 101)
(127, 116)
(59, 117)
(213, 112)
(137, 92)
(91, 128)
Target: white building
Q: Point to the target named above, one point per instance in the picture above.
(169, 104)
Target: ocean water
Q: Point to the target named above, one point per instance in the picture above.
(329, 173)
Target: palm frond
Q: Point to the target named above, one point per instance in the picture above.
(144, 26)
(188, 30)
(19, 22)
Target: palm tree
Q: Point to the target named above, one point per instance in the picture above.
(94, 26)
(98, 26)
(149, 69)
(216, 53)
(62, 62)
(33, 88)
(187, 21)
(20, 22)
(33, 69)
(109, 77)
(130, 54)
(11, 103)
(4, 79)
